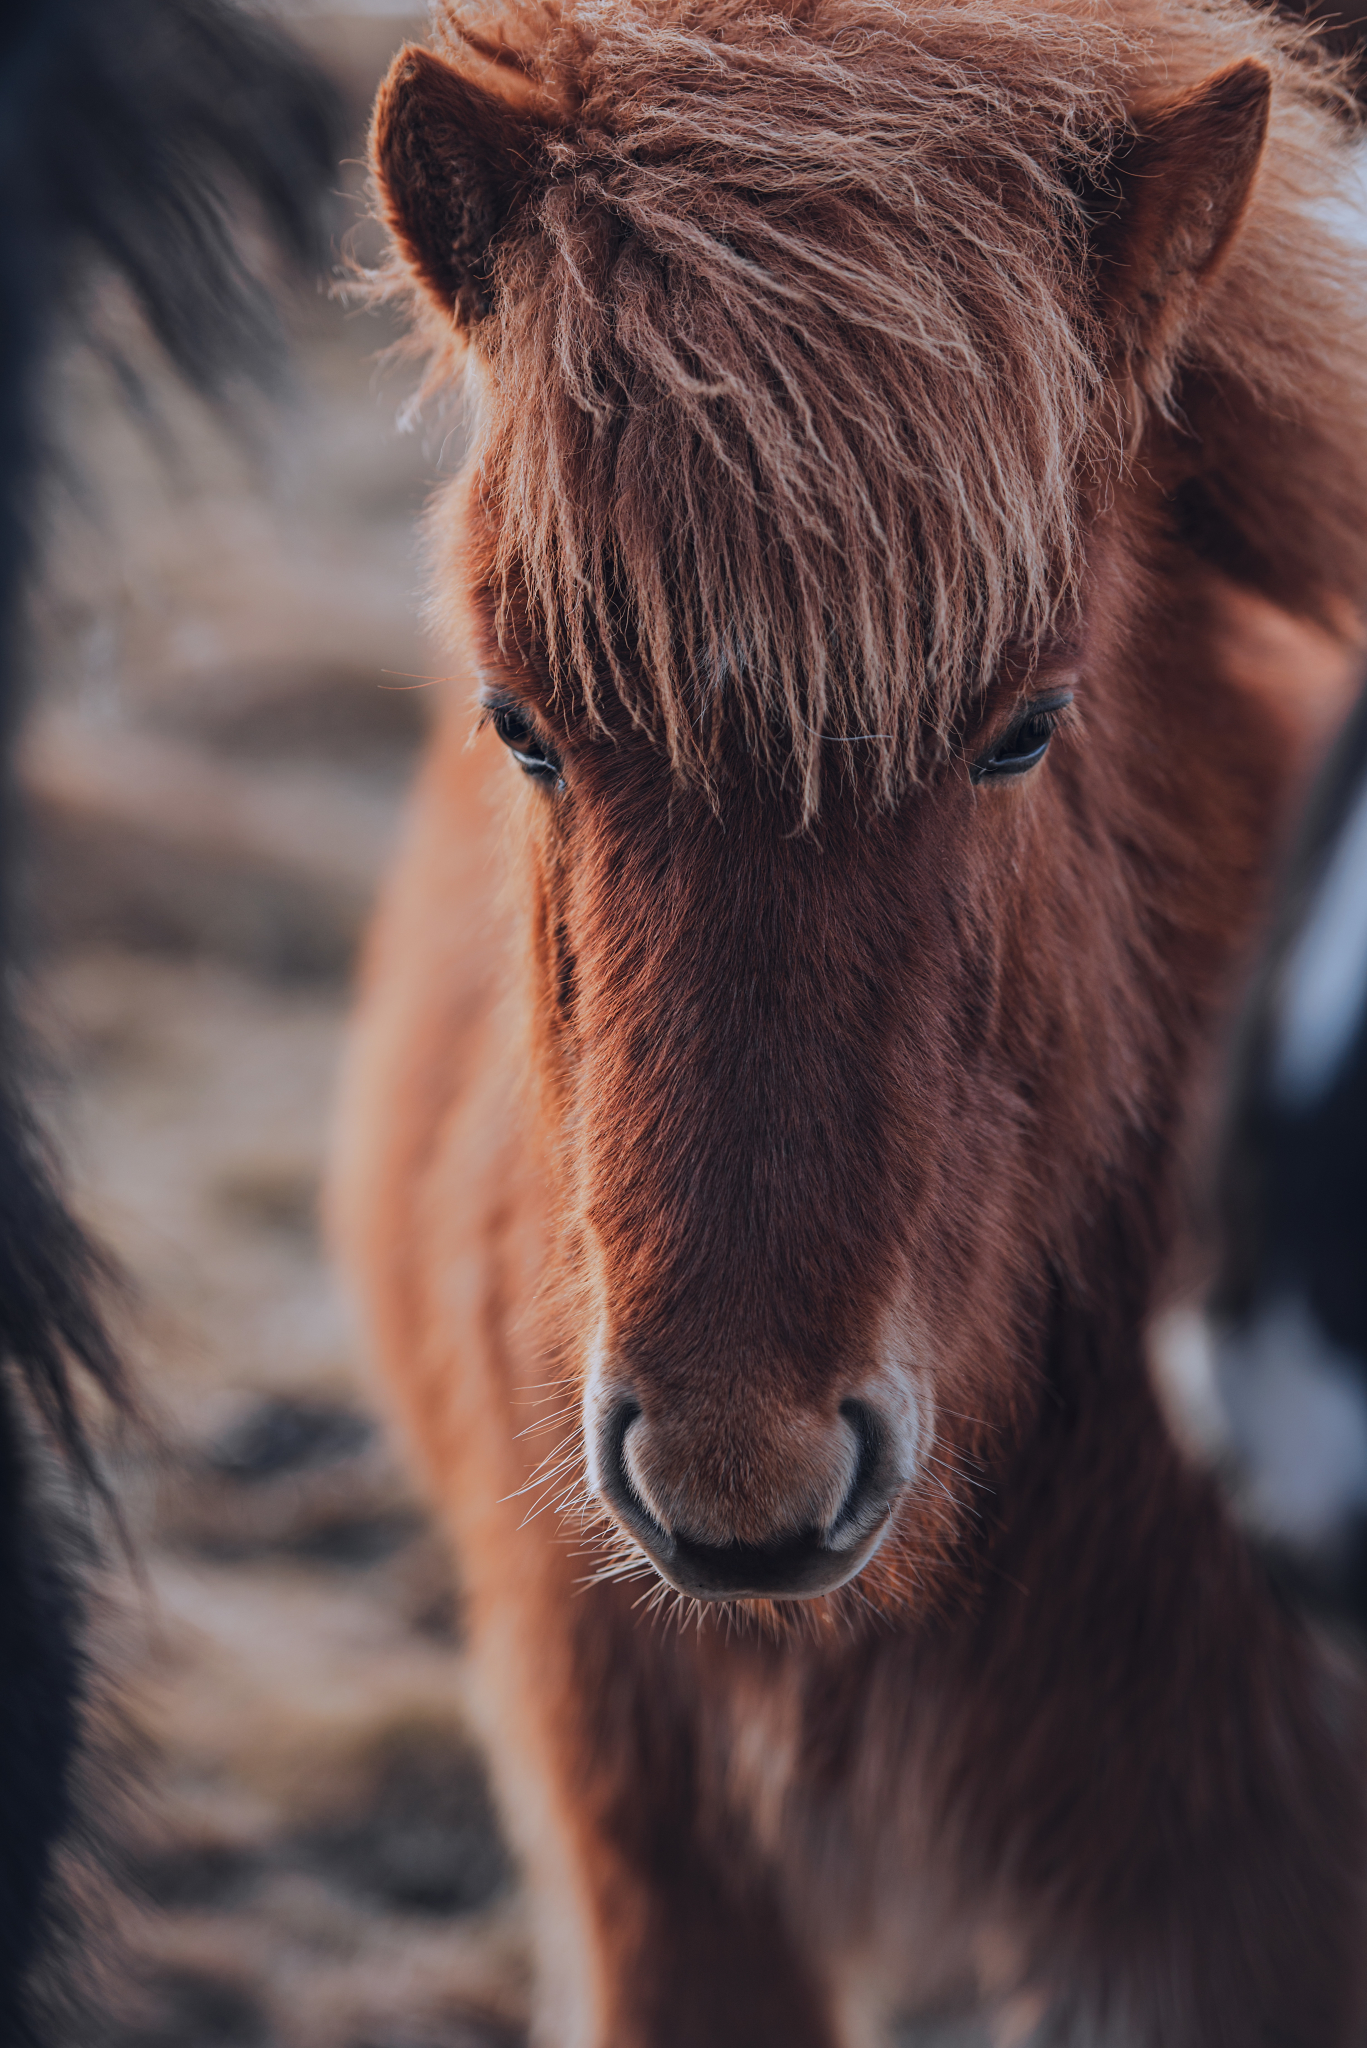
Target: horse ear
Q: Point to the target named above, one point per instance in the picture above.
(1184, 174)
(451, 157)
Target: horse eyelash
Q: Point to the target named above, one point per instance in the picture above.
(1048, 715)
(1053, 717)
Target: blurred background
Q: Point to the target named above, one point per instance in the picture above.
(226, 711)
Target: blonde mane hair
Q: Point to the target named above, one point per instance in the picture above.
(795, 398)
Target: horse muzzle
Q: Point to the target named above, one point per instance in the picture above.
(793, 1533)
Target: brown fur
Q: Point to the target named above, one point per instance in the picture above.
(847, 375)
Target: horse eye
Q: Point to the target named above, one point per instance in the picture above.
(1025, 744)
(524, 743)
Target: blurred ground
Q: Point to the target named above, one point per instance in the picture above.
(224, 645)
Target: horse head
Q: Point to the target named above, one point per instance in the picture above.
(836, 553)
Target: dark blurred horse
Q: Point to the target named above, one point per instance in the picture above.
(131, 133)
(1290, 1304)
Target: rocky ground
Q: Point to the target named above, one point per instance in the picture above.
(227, 655)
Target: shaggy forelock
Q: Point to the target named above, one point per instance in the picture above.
(762, 450)
(793, 391)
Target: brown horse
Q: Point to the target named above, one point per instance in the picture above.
(907, 435)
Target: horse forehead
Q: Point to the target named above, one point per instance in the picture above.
(623, 735)
(652, 849)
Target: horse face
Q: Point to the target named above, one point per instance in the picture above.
(829, 1105)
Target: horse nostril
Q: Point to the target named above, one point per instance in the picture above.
(614, 1479)
(618, 1421)
(876, 1478)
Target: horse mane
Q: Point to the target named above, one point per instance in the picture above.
(795, 400)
